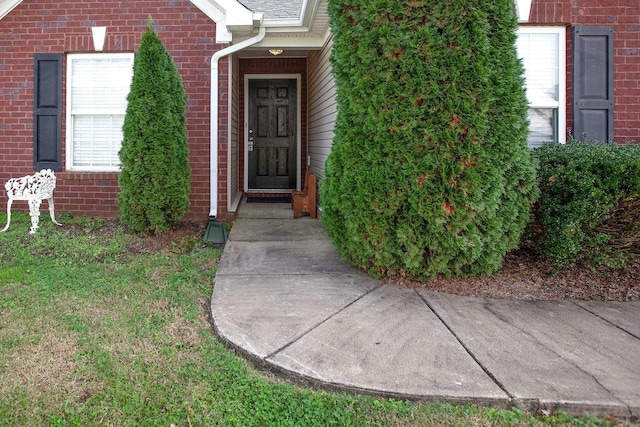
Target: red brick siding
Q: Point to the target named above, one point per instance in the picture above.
(65, 27)
(223, 138)
(274, 66)
(624, 17)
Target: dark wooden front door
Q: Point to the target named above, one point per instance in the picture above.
(272, 134)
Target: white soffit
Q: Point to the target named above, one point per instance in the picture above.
(310, 31)
(7, 6)
(300, 21)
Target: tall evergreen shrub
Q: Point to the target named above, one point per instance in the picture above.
(509, 129)
(429, 172)
(155, 178)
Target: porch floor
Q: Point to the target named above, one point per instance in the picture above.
(264, 210)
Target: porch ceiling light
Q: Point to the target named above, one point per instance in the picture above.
(275, 52)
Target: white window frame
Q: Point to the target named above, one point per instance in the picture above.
(69, 109)
(561, 104)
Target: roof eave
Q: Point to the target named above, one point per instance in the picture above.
(230, 17)
(7, 6)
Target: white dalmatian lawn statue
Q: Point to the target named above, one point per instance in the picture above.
(34, 189)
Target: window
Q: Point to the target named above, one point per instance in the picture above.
(542, 50)
(97, 89)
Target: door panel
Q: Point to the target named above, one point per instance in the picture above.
(272, 151)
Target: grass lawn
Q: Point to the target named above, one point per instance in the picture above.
(98, 327)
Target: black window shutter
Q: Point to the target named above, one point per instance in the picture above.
(47, 111)
(593, 83)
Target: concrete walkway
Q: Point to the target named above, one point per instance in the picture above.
(285, 299)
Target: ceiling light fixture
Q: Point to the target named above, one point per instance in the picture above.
(275, 52)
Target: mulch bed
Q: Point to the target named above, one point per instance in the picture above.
(526, 276)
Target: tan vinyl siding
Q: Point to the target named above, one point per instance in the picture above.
(322, 109)
(234, 131)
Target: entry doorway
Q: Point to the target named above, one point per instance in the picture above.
(272, 134)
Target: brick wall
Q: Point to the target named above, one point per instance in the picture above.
(273, 66)
(49, 26)
(624, 17)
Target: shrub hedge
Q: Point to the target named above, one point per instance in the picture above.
(156, 178)
(590, 201)
(429, 171)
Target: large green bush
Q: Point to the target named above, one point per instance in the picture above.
(429, 172)
(590, 201)
(156, 177)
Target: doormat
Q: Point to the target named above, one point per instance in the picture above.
(286, 199)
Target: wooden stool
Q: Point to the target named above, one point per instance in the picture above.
(305, 200)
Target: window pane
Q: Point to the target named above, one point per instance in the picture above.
(542, 52)
(542, 125)
(99, 85)
(540, 55)
(97, 140)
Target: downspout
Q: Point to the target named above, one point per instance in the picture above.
(213, 212)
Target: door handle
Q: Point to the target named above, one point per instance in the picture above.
(250, 145)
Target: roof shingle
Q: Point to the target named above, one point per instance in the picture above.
(275, 9)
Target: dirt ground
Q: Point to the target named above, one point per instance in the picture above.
(526, 276)
(523, 275)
